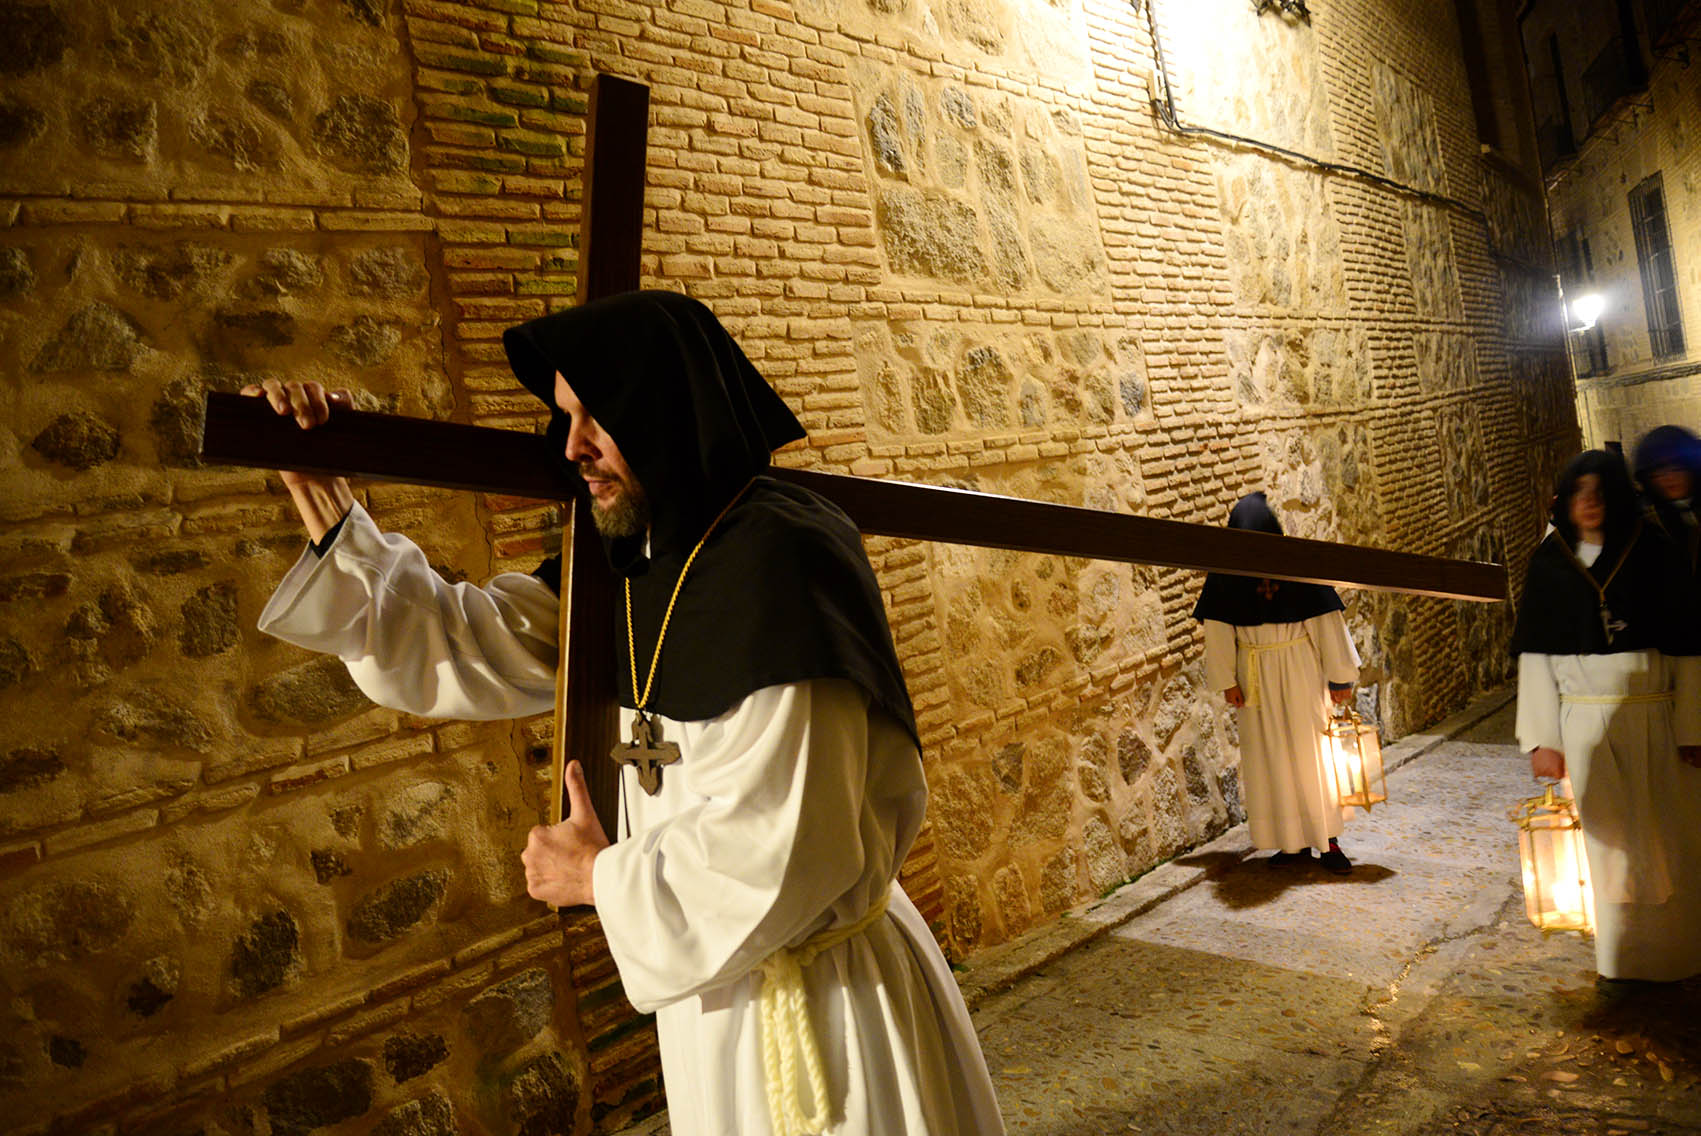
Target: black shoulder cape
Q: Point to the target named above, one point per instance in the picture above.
(1241, 600)
(782, 590)
(1559, 610)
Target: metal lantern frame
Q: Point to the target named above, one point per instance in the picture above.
(1355, 751)
(1555, 866)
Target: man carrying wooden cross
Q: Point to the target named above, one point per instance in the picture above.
(772, 785)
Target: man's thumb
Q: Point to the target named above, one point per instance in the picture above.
(578, 793)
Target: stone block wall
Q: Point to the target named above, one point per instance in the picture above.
(237, 898)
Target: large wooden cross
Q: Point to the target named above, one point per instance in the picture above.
(244, 431)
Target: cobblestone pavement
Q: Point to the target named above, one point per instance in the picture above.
(1411, 997)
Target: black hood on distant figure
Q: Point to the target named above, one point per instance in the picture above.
(1238, 600)
(1622, 512)
(1674, 446)
(1667, 445)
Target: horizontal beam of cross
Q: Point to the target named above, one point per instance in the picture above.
(245, 431)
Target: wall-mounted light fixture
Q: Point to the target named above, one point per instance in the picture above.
(1586, 310)
(1295, 8)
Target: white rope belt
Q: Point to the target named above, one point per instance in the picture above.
(787, 1032)
(1619, 699)
(1255, 653)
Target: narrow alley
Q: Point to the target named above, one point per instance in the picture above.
(1411, 997)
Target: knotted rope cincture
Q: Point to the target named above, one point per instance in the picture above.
(1619, 699)
(787, 1032)
(1255, 654)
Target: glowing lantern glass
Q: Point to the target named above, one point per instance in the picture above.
(1557, 895)
(1356, 751)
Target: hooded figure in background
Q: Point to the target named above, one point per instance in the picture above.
(1609, 693)
(1668, 468)
(1280, 653)
(753, 903)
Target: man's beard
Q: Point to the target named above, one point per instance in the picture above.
(627, 515)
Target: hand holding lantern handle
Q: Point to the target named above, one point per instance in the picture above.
(1547, 763)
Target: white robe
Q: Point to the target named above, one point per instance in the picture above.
(1286, 778)
(787, 814)
(1639, 804)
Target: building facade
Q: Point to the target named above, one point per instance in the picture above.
(1617, 102)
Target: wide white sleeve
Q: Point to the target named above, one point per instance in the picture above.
(413, 641)
(701, 898)
(1328, 634)
(1220, 651)
(1538, 703)
(1687, 717)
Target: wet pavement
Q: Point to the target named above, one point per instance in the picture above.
(1411, 997)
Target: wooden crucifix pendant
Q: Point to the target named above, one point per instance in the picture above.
(645, 754)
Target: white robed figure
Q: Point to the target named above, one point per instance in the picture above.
(1281, 654)
(1609, 694)
(752, 902)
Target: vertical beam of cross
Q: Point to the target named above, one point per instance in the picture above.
(611, 234)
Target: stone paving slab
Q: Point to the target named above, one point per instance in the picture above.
(1365, 926)
(1191, 991)
(1092, 1080)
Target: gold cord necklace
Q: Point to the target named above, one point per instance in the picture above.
(1610, 625)
(645, 752)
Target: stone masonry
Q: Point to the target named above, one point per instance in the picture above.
(238, 898)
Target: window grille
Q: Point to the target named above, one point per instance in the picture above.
(1659, 273)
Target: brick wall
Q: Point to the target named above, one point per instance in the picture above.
(960, 245)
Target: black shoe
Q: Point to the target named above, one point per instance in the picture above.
(1627, 987)
(1335, 861)
(1284, 859)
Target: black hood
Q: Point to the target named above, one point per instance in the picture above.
(691, 416)
(1240, 600)
(1673, 446)
(782, 590)
(1667, 445)
(1619, 494)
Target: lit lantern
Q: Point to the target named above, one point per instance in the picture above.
(1557, 895)
(1356, 751)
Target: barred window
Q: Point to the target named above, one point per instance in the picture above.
(1659, 273)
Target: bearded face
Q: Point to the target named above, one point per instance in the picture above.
(618, 505)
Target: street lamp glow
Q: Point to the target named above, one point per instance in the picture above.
(1586, 309)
